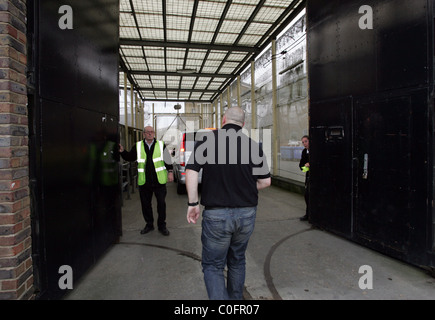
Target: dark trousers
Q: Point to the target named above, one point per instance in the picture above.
(307, 195)
(146, 195)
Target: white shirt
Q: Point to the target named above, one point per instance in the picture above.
(149, 144)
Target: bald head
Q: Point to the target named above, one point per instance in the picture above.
(234, 115)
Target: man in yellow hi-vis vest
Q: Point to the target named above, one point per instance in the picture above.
(154, 170)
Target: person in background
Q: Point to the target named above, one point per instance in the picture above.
(230, 187)
(154, 171)
(304, 165)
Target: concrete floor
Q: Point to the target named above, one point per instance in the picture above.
(286, 259)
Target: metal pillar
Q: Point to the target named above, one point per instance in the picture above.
(126, 112)
(239, 98)
(253, 103)
(275, 138)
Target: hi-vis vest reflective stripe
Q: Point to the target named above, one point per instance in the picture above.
(159, 163)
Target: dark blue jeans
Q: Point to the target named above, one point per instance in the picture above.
(225, 236)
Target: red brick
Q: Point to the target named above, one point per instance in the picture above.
(8, 285)
(6, 252)
(15, 222)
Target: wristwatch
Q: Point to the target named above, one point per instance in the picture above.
(193, 204)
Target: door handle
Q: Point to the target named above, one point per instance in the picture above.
(366, 167)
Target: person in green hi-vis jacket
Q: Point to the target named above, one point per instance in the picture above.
(304, 164)
(154, 167)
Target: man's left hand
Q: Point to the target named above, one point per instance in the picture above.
(170, 176)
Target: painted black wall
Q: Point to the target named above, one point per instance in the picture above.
(73, 109)
(371, 97)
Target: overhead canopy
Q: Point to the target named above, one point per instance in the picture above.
(191, 50)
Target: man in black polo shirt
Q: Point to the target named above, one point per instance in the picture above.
(234, 169)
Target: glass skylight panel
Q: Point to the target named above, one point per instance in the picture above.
(196, 55)
(172, 67)
(184, 95)
(187, 83)
(213, 63)
(179, 7)
(155, 61)
(236, 57)
(249, 40)
(258, 28)
(201, 85)
(158, 83)
(154, 52)
(232, 26)
(175, 62)
(150, 20)
(177, 23)
(126, 19)
(268, 14)
(124, 5)
(158, 78)
(191, 79)
(172, 94)
(278, 3)
(217, 55)
(210, 9)
(177, 35)
(141, 77)
(230, 64)
(129, 32)
(209, 69)
(173, 84)
(134, 60)
(148, 6)
(199, 36)
(157, 67)
(227, 70)
(214, 86)
(219, 80)
(175, 53)
(144, 83)
(195, 95)
(226, 38)
(203, 80)
(160, 95)
(203, 24)
(151, 34)
(251, 2)
(240, 12)
(130, 51)
(150, 95)
(138, 66)
(174, 78)
(206, 96)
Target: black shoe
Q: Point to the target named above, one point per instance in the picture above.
(146, 230)
(164, 231)
(304, 218)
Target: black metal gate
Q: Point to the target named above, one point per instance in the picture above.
(73, 114)
(371, 122)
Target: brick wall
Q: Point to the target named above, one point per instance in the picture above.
(16, 274)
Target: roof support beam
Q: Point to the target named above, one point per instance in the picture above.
(184, 45)
(176, 74)
(175, 90)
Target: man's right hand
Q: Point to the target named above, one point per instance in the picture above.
(193, 214)
(121, 148)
